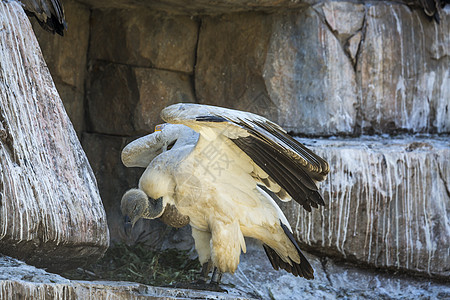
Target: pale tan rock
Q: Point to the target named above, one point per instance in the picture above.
(352, 46)
(387, 204)
(158, 89)
(344, 18)
(125, 100)
(309, 77)
(141, 37)
(231, 54)
(403, 71)
(51, 214)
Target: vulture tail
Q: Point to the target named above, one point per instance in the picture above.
(303, 269)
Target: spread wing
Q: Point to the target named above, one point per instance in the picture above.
(282, 164)
(140, 152)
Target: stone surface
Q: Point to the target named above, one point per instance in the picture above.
(125, 100)
(51, 214)
(318, 71)
(332, 280)
(312, 83)
(387, 204)
(144, 38)
(403, 71)
(66, 59)
(200, 7)
(20, 281)
(254, 279)
(230, 58)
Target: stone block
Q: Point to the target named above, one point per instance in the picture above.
(50, 210)
(142, 38)
(125, 100)
(66, 59)
(387, 204)
(73, 100)
(309, 76)
(230, 59)
(403, 71)
(199, 7)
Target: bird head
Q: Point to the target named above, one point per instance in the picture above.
(136, 204)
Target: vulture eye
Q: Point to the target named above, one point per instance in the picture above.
(126, 219)
(171, 145)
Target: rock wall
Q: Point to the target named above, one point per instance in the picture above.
(387, 203)
(321, 69)
(335, 68)
(66, 58)
(51, 214)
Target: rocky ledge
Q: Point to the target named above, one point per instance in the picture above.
(254, 279)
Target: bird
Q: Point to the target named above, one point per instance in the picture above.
(48, 13)
(432, 8)
(225, 169)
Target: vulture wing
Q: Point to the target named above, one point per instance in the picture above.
(49, 13)
(142, 151)
(281, 161)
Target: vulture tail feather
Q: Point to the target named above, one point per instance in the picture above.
(303, 269)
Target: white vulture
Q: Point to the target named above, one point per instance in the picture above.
(223, 168)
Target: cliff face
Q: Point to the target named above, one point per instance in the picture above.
(51, 214)
(320, 69)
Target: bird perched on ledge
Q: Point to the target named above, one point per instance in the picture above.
(49, 14)
(223, 169)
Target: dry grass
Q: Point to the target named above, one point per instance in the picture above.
(138, 264)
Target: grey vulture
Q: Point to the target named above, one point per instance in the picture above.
(49, 14)
(223, 169)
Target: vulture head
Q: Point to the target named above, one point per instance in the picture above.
(136, 204)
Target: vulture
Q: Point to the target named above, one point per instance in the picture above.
(432, 8)
(224, 169)
(49, 14)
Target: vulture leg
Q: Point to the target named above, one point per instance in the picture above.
(206, 268)
(216, 276)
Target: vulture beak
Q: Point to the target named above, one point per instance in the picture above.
(127, 226)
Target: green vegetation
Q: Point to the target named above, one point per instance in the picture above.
(138, 264)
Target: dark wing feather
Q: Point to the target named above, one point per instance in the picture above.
(287, 162)
(303, 269)
(48, 13)
(278, 155)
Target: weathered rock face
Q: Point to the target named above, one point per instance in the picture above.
(320, 75)
(312, 83)
(66, 59)
(51, 214)
(126, 100)
(387, 204)
(144, 38)
(332, 280)
(231, 54)
(200, 7)
(401, 90)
